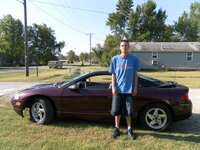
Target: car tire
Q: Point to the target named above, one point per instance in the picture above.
(155, 117)
(41, 111)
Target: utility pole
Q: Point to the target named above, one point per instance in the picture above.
(90, 34)
(25, 39)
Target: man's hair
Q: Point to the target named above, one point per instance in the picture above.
(125, 41)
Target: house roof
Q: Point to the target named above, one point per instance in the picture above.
(165, 46)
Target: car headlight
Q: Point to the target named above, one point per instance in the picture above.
(17, 97)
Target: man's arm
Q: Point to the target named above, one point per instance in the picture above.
(136, 84)
(114, 91)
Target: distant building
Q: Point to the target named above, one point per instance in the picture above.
(171, 55)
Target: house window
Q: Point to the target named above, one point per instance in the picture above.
(155, 55)
(189, 56)
(154, 62)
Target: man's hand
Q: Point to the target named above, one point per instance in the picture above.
(134, 92)
(114, 92)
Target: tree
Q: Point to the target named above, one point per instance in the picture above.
(83, 56)
(147, 24)
(188, 25)
(142, 24)
(11, 40)
(43, 44)
(111, 48)
(118, 21)
(71, 56)
(98, 52)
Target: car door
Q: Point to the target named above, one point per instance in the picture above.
(93, 99)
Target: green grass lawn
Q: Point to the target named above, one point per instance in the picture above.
(19, 133)
(190, 78)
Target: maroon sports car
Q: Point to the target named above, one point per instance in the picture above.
(88, 96)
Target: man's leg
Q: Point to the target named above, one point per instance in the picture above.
(116, 111)
(128, 120)
(117, 121)
(116, 131)
(129, 113)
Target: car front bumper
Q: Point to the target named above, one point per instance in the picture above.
(17, 108)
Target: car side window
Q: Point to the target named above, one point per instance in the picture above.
(98, 82)
(142, 83)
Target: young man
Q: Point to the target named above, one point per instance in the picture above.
(124, 69)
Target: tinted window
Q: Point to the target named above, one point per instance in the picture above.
(99, 82)
(145, 81)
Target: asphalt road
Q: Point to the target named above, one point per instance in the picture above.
(15, 69)
(9, 88)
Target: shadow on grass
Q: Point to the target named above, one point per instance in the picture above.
(190, 126)
(186, 130)
(174, 136)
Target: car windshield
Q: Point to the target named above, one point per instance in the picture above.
(71, 80)
(144, 77)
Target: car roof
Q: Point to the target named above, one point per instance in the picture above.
(100, 72)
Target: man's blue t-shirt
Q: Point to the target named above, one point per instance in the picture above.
(124, 70)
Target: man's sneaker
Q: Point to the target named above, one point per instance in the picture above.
(116, 133)
(131, 134)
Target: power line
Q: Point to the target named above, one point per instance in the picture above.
(71, 27)
(77, 8)
(61, 14)
(58, 19)
(75, 15)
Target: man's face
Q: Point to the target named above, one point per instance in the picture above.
(124, 46)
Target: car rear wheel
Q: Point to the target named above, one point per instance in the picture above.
(155, 117)
(41, 111)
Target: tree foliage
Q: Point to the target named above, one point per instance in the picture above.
(71, 56)
(118, 21)
(11, 40)
(84, 56)
(111, 48)
(98, 52)
(147, 23)
(43, 44)
(188, 25)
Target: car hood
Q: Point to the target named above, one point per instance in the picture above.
(42, 86)
(37, 87)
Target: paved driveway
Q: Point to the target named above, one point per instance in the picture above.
(7, 88)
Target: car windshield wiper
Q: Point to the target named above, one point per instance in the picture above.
(58, 83)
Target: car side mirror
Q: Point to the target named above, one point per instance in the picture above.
(73, 87)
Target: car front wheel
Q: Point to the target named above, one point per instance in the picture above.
(41, 111)
(155, 117)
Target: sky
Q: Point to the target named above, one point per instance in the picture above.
(75, 20)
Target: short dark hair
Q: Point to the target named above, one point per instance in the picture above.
(123, 40)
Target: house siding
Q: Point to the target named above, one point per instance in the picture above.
(173, 60)
(167, 58)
